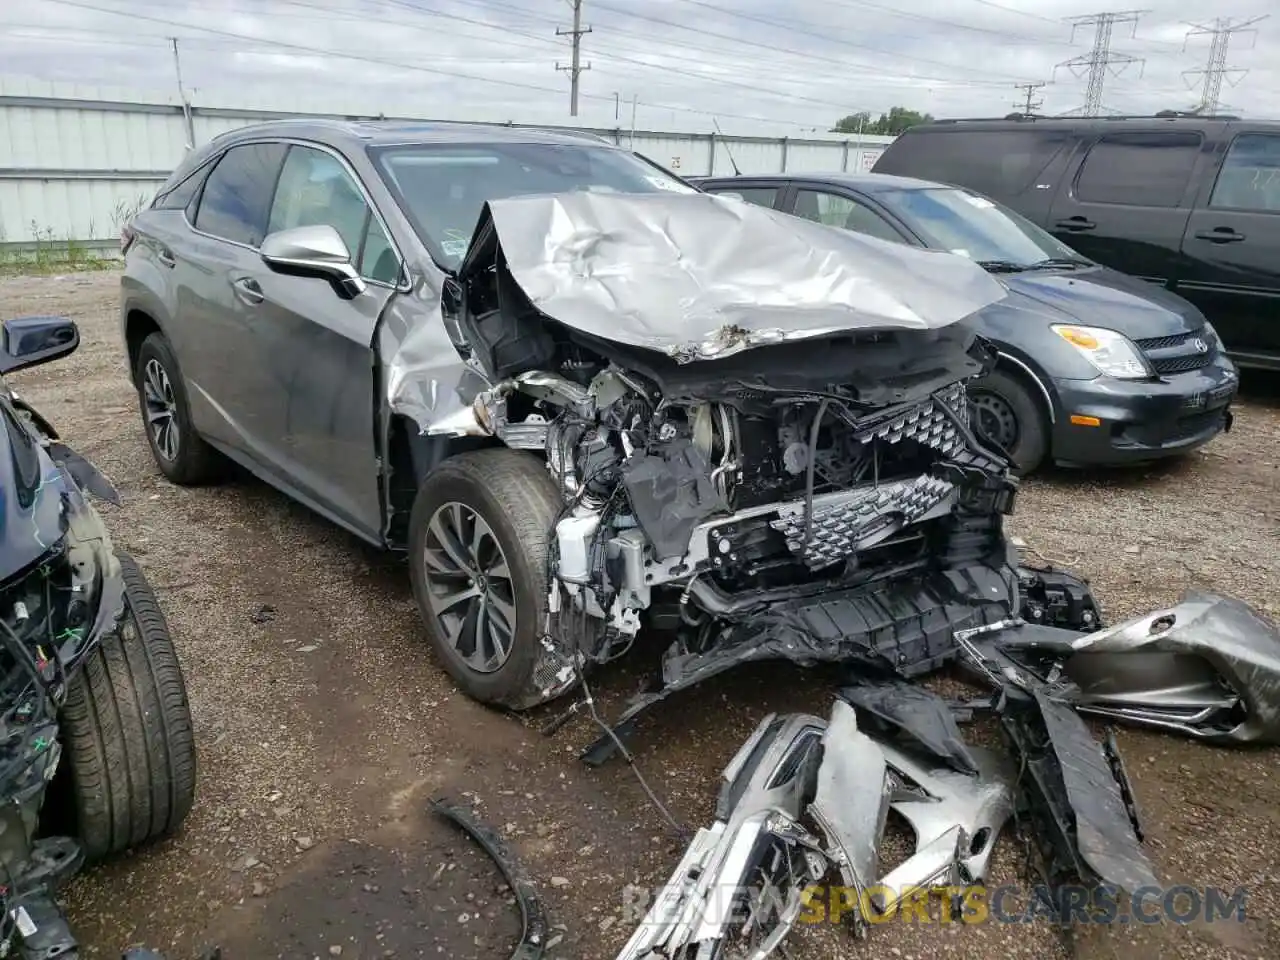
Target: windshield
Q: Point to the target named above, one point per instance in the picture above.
(443, 186)
(972, 226)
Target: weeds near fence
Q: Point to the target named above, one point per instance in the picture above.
(49, 254)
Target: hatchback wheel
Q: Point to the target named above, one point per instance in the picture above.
(182, 455)
(1008, 414)
(478, 562)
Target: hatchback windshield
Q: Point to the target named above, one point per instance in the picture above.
(977, 228)
(443, 186)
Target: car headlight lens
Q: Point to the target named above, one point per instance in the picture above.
(1111, 353)
(1210, 335)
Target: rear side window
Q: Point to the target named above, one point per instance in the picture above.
(837, 210)
(179, 196)
(1138, 169)
(1001, 163)
(237, 195)
(1250, 177)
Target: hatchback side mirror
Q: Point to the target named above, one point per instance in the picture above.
(317, 252)
(30, 341)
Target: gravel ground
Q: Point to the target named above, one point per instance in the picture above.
(323, 725)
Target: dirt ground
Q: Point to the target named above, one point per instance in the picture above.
(324, 726)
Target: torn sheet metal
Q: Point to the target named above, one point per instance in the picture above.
(917, 713)
(1208, 667)
(851, 801)
(534, 927)
(425, 377)
(697, 277)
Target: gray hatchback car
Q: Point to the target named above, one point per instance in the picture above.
(580, 394)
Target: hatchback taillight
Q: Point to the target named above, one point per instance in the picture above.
(126, 238)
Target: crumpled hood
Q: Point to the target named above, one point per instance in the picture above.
(1103, 298)
(697, 276)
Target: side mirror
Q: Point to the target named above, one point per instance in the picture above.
(29, 341)
(316, 252)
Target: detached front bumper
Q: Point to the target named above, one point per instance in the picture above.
(1109, 422)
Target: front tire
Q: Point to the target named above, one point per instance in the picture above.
(181, 454)
(1011, 415)
(478, 540)
(127, 732)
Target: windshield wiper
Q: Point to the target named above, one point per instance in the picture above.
(1057, 262)
(1001, 266)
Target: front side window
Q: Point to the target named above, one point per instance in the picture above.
(760, 196)
(315, 189)
(974, 227)
(1250, 177)
(237, 194)
(1139, 169)
(443, 187)
(836, 210)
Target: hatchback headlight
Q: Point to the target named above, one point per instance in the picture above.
(1111, 353)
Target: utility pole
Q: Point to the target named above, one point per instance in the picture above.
(575, 66)
(1216, 69)
(1031, 105)
(182, 96)
(1099, 61)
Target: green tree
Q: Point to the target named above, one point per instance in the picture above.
(889, 124)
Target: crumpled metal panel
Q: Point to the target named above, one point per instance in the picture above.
(1168, 668)
(697, 276)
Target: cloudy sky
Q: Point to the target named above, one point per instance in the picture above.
(750, 65)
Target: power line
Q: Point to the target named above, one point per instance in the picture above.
(1031, 105)
(1099, 61)
(1216, 70)
(575, 64)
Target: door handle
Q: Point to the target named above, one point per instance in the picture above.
(1219, 235)
(1075, 223)
(247, 289)
(166, 257)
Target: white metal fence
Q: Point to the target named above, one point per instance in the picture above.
(74, 169)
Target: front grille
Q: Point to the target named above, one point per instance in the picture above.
(1183, 347)
(1163, 343)
(1180, 364)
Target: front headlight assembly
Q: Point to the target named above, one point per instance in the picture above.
(1111, 353)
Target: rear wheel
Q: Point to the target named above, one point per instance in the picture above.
(478, 561)
(182, 455)
(1011, 415)
(127, 733)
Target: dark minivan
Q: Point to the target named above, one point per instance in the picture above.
(1188, 202)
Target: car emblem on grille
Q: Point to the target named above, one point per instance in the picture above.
(1200, 345)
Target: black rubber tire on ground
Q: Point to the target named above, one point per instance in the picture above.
(1030, 427)
(127, 736)
(515, 495)
(195, 462)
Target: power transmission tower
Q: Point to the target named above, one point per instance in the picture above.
(1100, 61)
(1216, 70)
(575, 65)
(1029, 90)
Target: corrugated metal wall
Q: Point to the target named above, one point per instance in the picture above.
(74, 169)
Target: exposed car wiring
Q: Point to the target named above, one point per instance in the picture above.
(809, 467)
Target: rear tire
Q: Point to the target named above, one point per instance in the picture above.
(182, 456)
(516, 499)
(127, 733)
(1010, 414)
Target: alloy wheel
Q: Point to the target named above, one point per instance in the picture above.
(161, 409)
(469, 587)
